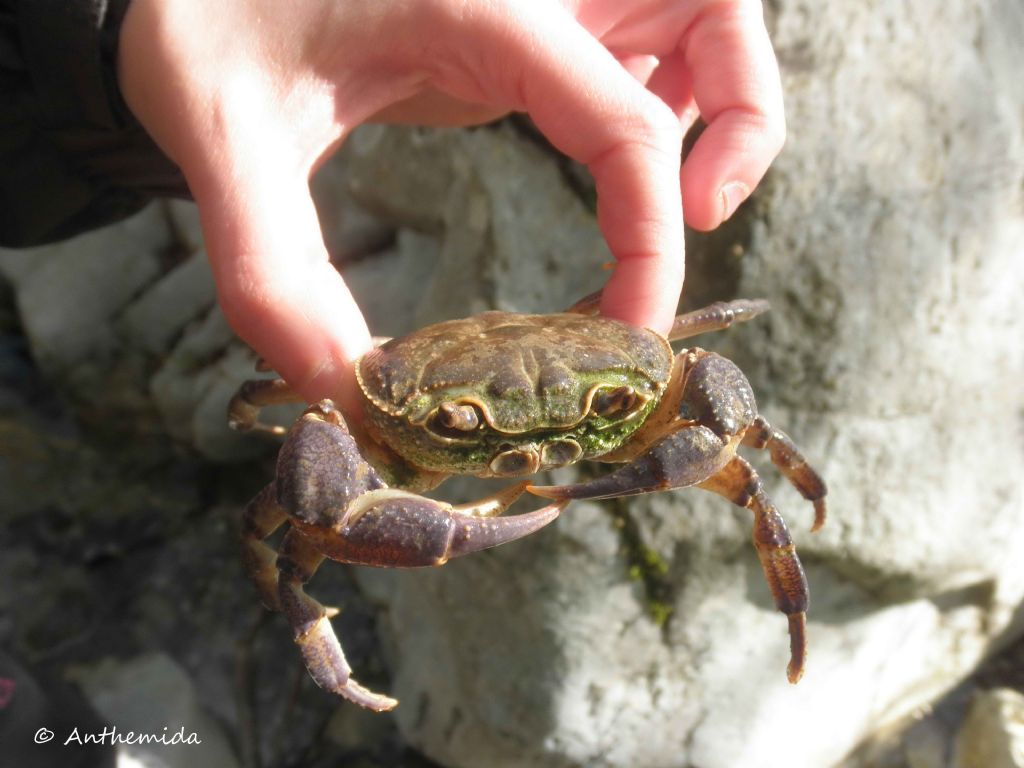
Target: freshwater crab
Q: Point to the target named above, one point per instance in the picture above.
(507, 395)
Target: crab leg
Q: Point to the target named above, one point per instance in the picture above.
(255, 394)
(696, 455)
(320, 648)
(389, 528)
(716, 317)
(262, 516)
(739, 483)
(338, 506)
(244, 408)
(341, 504)
(791, 463)
(383, 527)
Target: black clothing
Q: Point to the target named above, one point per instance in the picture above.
(72, 157)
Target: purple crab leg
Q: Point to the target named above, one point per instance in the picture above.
(697, 456)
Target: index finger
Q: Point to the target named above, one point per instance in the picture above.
(735, 83)
(593, 110)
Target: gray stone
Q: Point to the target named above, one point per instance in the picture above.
(353, 728)
(402, 175)
(390, 286)
(513, 234)
(101, 311)
(927, 745)
(350, 231)
(183, 217)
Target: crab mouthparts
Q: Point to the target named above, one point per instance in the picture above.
(516, 461)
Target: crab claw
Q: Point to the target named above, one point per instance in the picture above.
(471, 534)
(683, 458)
(390, 528)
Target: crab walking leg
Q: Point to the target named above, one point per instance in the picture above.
(589, 305)
(244, 408)
(697, 456)
(314, 635)
(740, 484)
(262, 516)
(716, 317)
(791, 463)
(494, 505)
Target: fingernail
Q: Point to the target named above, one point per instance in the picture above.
(733, 193)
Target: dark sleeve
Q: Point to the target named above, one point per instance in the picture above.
(72, 157)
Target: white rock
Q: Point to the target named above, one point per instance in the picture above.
(70, 293)
(992, 735)
(159, 316)
(151, 696)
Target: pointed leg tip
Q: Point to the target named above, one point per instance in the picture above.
(493, 505)
(383, 704)
(546, 491)
(797, 647)
(606, 487)
(820, 514)
(376, 702)
(364, 697)
(259, 427)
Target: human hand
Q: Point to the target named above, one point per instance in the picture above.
(250, 96)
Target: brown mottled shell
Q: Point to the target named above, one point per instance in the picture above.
(526, 372)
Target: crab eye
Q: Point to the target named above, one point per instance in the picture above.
(608, 402)
(454, 420)
(461, 417)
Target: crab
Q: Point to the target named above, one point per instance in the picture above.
(507, 395)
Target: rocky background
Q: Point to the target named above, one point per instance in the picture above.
(889, 237)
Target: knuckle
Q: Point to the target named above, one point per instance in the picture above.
(659, 128)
